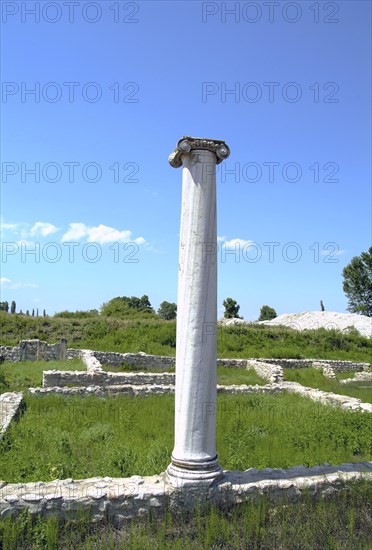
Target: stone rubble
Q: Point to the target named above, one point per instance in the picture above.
(324, 319)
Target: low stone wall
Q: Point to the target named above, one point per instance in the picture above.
(10, 405)
(120, 500)
(337, 366)
(142, 360)
(135, 390)
(9, 353)
(235, 363)
(268, 371)
(327, 398)
(35, 350)
(103, 378)
(328, 371)
(90, 361)
(72, 353)
(104, 391)
(359, 377)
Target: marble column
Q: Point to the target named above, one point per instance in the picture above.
(194, 457)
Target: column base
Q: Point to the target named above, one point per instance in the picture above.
(182, 472)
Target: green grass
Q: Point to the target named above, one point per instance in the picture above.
(28, 374)
(338, 523)
(227, 376)
(61, 437)
(314, 378)
(159, 337)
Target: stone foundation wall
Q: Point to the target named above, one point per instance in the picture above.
(337, 366)
(142, 360)
(120, 500)
(270, 372)
(103, 390)
(235, 363)
(135, 390)
(72, 353)
(35, 350)
(10, 405)
(102, 378)
(9, 353)
(359, 377)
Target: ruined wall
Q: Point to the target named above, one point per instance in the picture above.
(337, 365)
(120, 500)
(35, 350)
(270, 369)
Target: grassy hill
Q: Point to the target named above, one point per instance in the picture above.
(155, 336)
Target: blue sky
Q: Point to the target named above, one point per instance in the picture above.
(285, 84)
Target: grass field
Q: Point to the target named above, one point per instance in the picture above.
(341, 523)
(159, 337)
(314, 378)
(29, 374)
(60, 437)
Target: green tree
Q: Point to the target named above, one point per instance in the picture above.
(357, 283)
(125, 306)
(75, 314)
(13, 307)
(231, 309)
(4, 306)
(267, 313)
(33, 313)
(322, 308)
(44, 313)
(27, 312)
(145, 303)
(167, 310)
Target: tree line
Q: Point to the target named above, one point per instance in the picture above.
(357, 285)
(4, 306)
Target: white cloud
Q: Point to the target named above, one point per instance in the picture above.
(19, 229)
(9, 226)
(24, 230)
(43, 229)
(22, 285)
(240, 243)
(13, 286)
(101, 234)
(104, 234)
(76, 232)
(331, 250)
